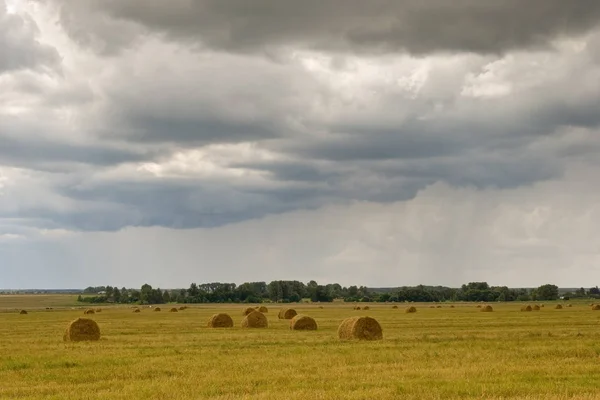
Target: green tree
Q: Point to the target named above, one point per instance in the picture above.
(547, 292)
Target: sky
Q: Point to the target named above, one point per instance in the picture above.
(381, 143)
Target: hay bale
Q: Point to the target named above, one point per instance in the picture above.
(541, 305)
(394, 306)
(174, 309)
(321, 307)
(487, 308)
(452, 306)
(98, 310)
(569, 305)
(431, 306)
(526, 308)
(157, 309)
(248, 310)
(23, 312)
(220, 321)
(255, 320)
(89, 311)
(536, 308)
(410, 310)
(478, 305)
(303, 323)
(558, 307)
(596, 307)
(137, 310)
(263, 309)
(182, 308)
(439, 307)
(366, 308)
(357, 308)
(361, 328)
(82, 329)
(287, 313)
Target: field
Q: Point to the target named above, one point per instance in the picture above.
(440, 353)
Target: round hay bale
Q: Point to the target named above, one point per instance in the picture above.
(303, 323)
(536, 308)
(596, 307)
(157, 309)
(431, 306)
(248, 310)
(361, 328)
(439, 307)
(410, 310)
(220, 321)
(287, 313)
(321, 307)
(255, 320)
(357, 308)
(89, 311)
(452, 306)
(182, 308)
(137, 310)
(366, 308)
(558, 307)
(478, 305)
(526, 308)
(394, 306)
(569, 305)
(174, 309)
(263, 309)
(541, 305)
(487, 308)
(98, 310)
(23, 312)
(82, 329)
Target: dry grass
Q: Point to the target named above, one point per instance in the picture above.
(458, 354)
(287, 313)
(220, 320)
(255, 320)
(360, 328)
(82, 329)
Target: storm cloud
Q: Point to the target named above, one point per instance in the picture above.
(202, 119)
(337, 25)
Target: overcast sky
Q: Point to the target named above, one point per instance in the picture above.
(384, 143)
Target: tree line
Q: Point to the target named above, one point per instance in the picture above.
(296, 291)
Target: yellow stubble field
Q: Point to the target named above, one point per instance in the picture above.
(435, 353)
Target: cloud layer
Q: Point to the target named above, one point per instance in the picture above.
(211, 115)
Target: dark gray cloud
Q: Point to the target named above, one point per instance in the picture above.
(45, 154)
(19, 44)
(415, 26)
